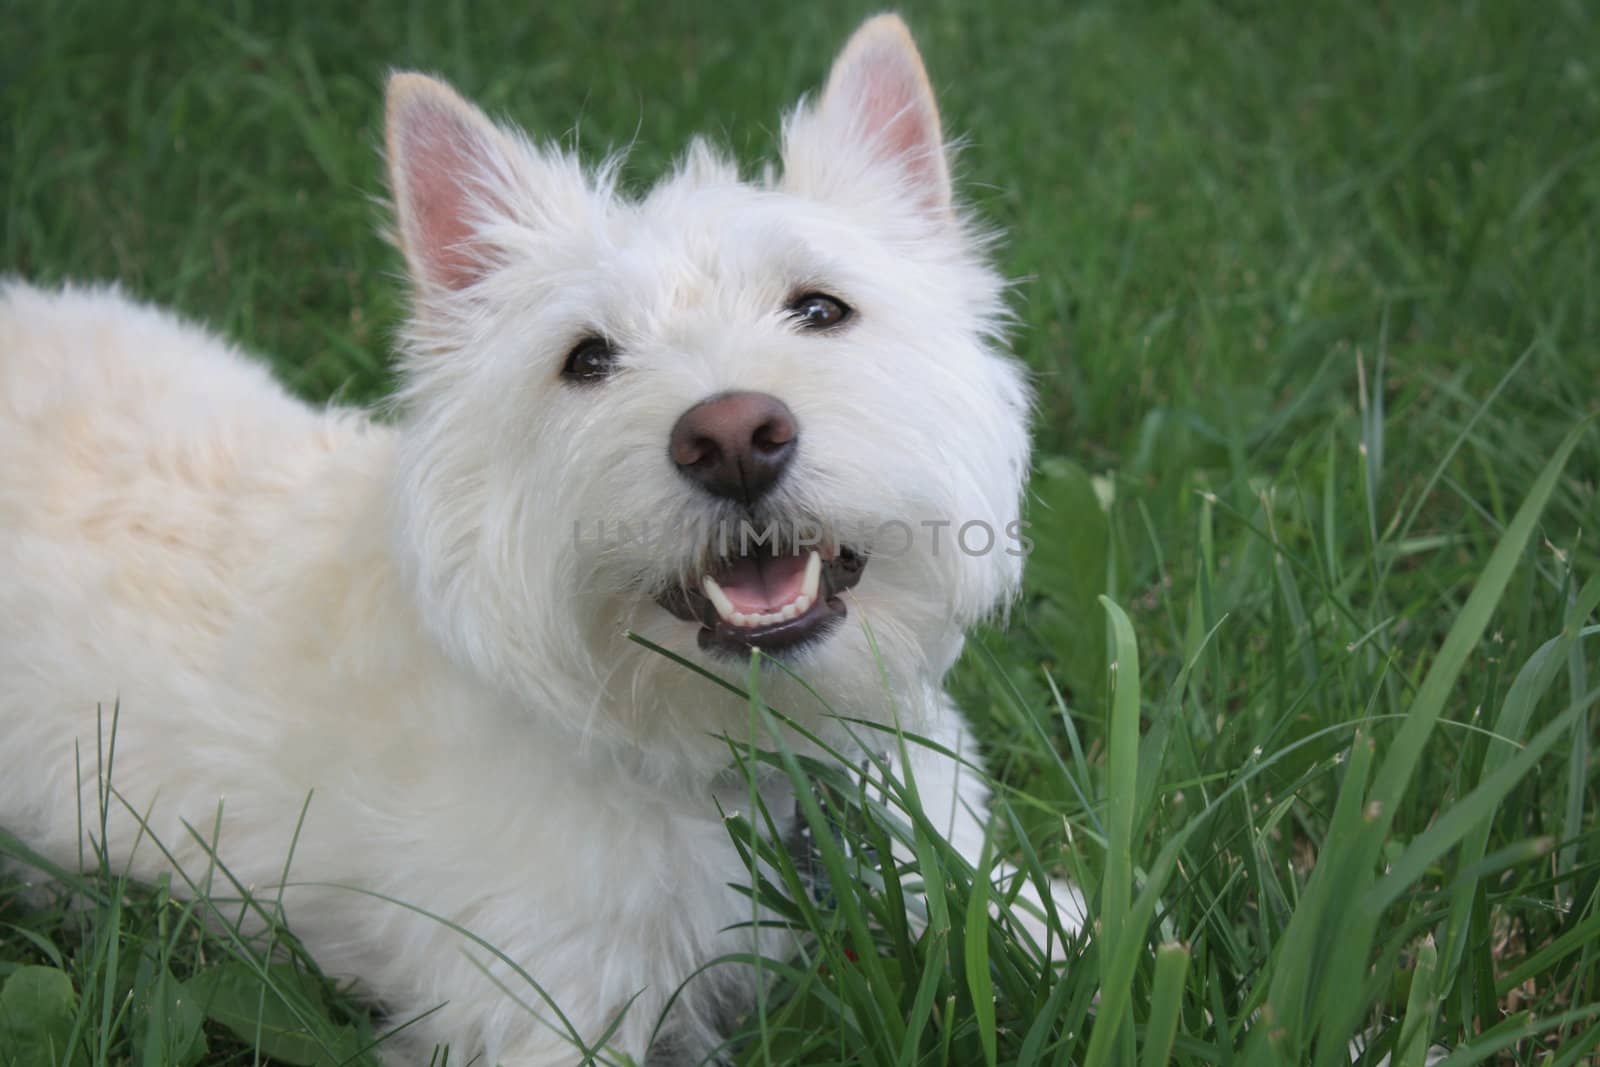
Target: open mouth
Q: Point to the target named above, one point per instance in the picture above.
(770, 602)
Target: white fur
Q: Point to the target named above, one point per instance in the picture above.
(399, 622)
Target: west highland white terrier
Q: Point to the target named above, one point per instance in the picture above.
(728, 415)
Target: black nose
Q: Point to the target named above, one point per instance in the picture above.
(735, 445)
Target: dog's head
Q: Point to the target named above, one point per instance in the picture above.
(727, 415)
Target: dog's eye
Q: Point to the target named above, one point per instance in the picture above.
(818, 311)
(590, 360)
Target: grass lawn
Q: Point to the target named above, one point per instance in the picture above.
(1312, 298)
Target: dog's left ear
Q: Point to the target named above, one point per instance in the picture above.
(879, 106)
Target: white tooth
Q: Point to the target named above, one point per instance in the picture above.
(718, 598)
(789, 611)
(739, 618)
(801, 605)
(808, 587)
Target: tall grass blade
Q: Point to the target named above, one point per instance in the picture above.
(1122, 797)
(1166, 1004)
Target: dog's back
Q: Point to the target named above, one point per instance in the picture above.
(142, 442)
(150, 474)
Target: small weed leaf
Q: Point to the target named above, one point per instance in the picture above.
(167, 1018)
(285, 1016)
(37, 1009)
(1067, 567)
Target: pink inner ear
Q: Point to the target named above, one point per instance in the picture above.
(903, 124)
(894, 110)
(441, 159)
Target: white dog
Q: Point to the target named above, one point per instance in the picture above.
(423, 626)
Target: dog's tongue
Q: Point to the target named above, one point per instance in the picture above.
(762, 583)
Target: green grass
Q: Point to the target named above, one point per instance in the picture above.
(1311, 298)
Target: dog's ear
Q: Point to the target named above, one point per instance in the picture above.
(448, 166)
(878, 102)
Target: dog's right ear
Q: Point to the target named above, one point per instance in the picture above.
(449, 168)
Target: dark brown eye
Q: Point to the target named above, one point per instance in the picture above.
(590, 360)
(818, 311)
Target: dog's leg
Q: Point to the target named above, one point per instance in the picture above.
(955, 797)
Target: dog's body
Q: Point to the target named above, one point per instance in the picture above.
(422, 628)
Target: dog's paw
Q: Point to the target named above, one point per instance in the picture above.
(1029, 910)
